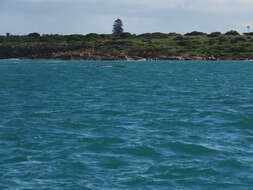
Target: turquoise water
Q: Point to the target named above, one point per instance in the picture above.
(169, 125)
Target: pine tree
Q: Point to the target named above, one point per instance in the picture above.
(117, 28)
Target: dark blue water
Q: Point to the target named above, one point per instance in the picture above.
(148, 126)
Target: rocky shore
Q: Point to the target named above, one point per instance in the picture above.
(82, 54)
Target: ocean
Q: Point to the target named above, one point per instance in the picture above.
(143, 125)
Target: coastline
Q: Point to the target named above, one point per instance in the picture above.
(154, 46)
(134, 58)
(87, 55)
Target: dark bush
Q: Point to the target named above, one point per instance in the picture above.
(172, 34)
(211, 42)
(248, 33)
(93, 36)
(195, 33)
(34, 35)
(52, 38)
(105, 36)
(126, 35)
(179, 37)
(74, 37)
(237, 39)
(238, 49)
(232, 33)
(214, 34)
(2, 38)
(221, 39)
(184, 43)
(153, 35)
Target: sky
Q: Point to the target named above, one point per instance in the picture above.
(138, 16)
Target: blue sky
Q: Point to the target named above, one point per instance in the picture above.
(139, 16)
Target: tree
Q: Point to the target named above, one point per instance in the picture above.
(117, 28)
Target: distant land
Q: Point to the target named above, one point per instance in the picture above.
(148, 46)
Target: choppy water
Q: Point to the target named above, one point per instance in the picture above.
(148, 126)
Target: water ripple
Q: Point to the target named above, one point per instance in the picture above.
(150, 125)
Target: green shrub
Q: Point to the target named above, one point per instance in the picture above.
(153, 35)
(106, 36)
(232, 33)
(237, 39)
(93, 36)
(248, 33)
(34, 35)
(184, 43)
(221, 39)
(179, 37)
(74, 37)
(126, 35)
(212, 42)
(195, 33)
(173, 34)
(214, 34)
(237, 49)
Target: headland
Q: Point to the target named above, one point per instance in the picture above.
(148, 46)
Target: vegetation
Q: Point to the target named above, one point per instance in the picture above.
(117, 28)
(195, 33)
(194, 45)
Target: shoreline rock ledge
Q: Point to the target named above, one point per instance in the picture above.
(65, 54)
